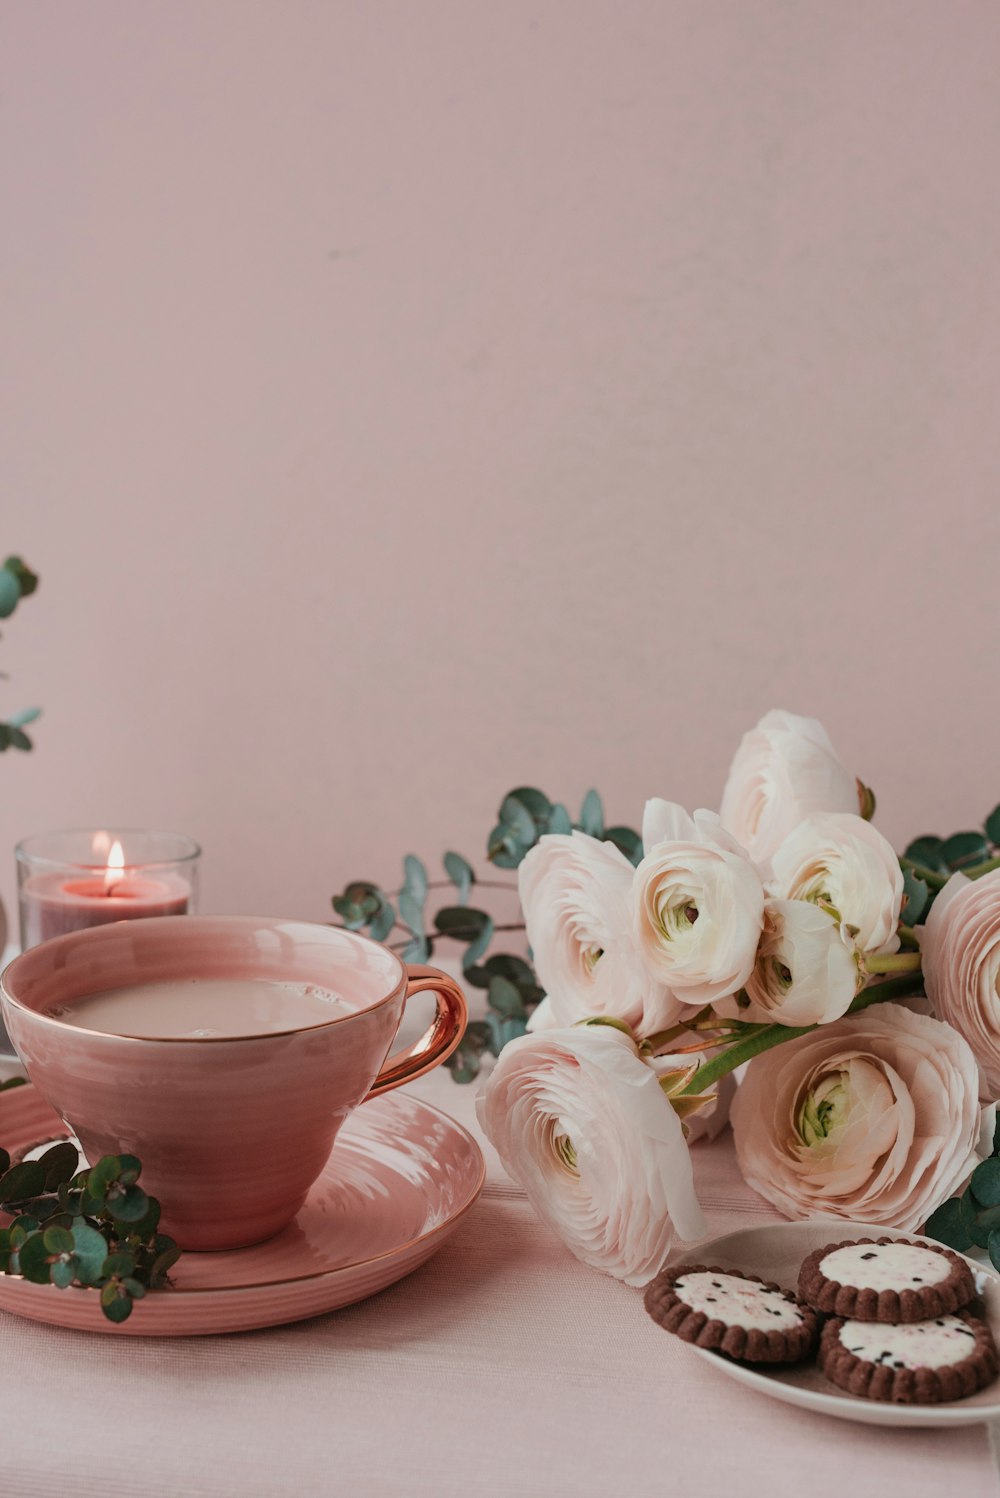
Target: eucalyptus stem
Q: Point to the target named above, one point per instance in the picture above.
(975, 870)
(929, 876)
(771, 1035)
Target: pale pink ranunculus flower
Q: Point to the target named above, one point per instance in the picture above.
(580, 1121)
(784, 769)
(576, 896)
(806, 971)
(960, 947)
(841, 862)
(698, 905)
(875, 1118)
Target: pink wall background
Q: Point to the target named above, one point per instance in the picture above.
(403, 402)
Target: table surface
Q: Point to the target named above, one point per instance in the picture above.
(502, 1367)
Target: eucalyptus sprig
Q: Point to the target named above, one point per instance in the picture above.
(510, 981)
(974, 1217)
(95, 1228)
(17, 581)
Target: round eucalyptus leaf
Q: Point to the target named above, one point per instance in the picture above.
(415, 877)
(461, 874)
(118, 1264)
(985, 1183)
(592, 815)
(916, 898)
(90, 1250)
(131, 1169)
(4, 1162)
(993, 825)
(417, 950)
(102, 1176)
(993, 1248)
(948, 1226)
(412, 912)
(505, 998)
(27, 580)
(60, 1164)
(511, 1028)
(10, 592)
(504, 850)
(162, 1264)
(964, 848)
(22, 1181)
(476, 948)
(463, 1065)
(146, 1226)
(58, 1240)
(126, 1203)
(967, 1215)
(506, 965)
(17, 738)
(515, 816)
(33, 1258)
(560, 820)
(62, 1274)
(116, 1303)
(537, 803)
(627, 841)
(928, 850)
(382, 922)
(461, 922)
(134, 1287)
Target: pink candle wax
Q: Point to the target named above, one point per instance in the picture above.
(59, 902)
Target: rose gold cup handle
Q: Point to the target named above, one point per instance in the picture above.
(437, 1042)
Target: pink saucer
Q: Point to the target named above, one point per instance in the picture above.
(401, 1177)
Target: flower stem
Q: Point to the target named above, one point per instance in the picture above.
(893, 962)
(771, 1035)
(975, 870)
(908, 936)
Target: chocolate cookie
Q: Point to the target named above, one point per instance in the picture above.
(885, 1279)
(737, 1314)
(916, 1362)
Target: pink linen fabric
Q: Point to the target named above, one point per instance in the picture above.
(502, 1367)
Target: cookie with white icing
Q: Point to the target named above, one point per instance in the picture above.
(746, 1318)
(915, 1362)
(886, 1279)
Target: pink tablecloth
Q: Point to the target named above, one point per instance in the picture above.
(500, 1368)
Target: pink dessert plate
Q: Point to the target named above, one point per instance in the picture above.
(776, 1253)
(400, 1179)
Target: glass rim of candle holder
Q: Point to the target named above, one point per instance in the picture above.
(49, 849)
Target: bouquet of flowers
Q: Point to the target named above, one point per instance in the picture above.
(860, 990)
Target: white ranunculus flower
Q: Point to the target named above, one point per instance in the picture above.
(806, 971)
(784, 769)
(697, 903)
(579, 1119)
(576, 896)
(839, 861)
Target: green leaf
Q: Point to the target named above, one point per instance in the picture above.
(33, 1260)
(62, 1274)
(13, 1082)
(511, 1028)
(515, 816)
(560, 820)
(417, 950)
(964, 848)
(118, 1264)
(928, 850)
(415, 878)
(383, 921)
(162, 1265)
(24, 717)
(992, 825)
(412, 912)
(10, 592)
(537, 803)
(17, 738)
(508, 966)
(461, 922)
(90, 1251)
(27, 580)
(592, 815)
(475, 949)
(505, 998)
(352, 915)
(116, 1303)
(127, 1203)
(102, 1176)
(967, 1216)
(948, 1226)
(503, 848)
(58, 1241)
(626, 841)
(461, 874)
(60, 1163)
(131, 1169)
(21, 1181)
(993, 1248)
(917, 896)
(4, 1162)
(146, 1226)
(134, 1287)
(985, 1183)
(463, 1064)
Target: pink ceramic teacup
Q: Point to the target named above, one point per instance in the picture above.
(231, 1129)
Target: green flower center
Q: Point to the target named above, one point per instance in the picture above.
(824, 1109)
(565, 1153)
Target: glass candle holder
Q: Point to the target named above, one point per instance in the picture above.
(70, 880)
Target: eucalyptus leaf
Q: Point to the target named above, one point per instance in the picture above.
(993, 1248)
(503, 849)
(412, 912)
(592, 815)
(461, 874)
(22, 1181)
(33, 1258)
(504, 997)
(162, 1265)
(27, 580)
(964, 848)
(351, 914)
(511, 1027)
(463, 1065)
(118, 1263)
(127, 1203)
(627, 841)
(58, 1241)
(516, 816)
(90, 1250)
(17, 738)
(948, 1226)
(102, 1176)
(4, 1162)
(560, 820)
(383, 921)
(62, 1274)
(475, 949)
(929, 851)
(967, 1215)
(985, 1183)
(116, 1303)
(417, 950)
(10, 592)
(59, 1164)
(508, 966)
(538, 804)
(415, 878)
(461, 922)
(993, 825)
(917, 896)
(24, 717)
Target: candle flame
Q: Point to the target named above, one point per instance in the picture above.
(115, 868)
